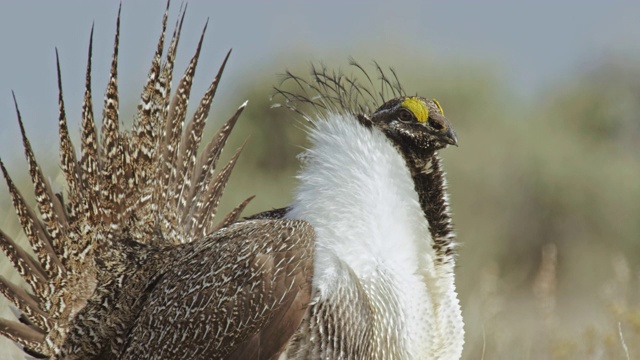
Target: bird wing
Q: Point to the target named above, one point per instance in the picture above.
(239, 294)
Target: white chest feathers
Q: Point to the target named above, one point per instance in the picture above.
(357, 192)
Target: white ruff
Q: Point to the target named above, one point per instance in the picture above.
(358, 194)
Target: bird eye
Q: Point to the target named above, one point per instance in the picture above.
(405, 115)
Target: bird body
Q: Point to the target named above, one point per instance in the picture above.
(131, 265)
(372, 235)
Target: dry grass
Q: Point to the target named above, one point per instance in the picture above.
(519, 327)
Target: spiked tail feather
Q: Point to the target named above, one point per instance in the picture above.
(92, 248)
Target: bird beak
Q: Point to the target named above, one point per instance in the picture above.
(450, 137)
(447, 135)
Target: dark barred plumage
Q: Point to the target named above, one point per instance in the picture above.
(140, 206)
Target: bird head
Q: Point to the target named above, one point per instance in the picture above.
(414, 123)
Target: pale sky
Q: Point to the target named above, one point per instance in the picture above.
(532, 43)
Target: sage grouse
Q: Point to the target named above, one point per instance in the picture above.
(130, 265)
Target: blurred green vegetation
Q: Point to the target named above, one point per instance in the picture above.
(545, 192)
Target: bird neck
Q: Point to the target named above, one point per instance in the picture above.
(431, 186)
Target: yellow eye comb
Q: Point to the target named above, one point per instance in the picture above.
(417, 107)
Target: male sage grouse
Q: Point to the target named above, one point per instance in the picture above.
(130, 265)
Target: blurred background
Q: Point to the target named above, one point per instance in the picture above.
(544, 96)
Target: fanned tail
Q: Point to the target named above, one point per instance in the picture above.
(128, 194)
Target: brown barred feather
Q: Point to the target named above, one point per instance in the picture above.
(233, 215)
(110, 157)
(144, 129)
(191, 138)
(38, 239)
(51, 211)
(145, 133)
(167, 221)
(126, 180)
(176, 116)
(25, 265)
(206, 164)
(25, 303)
(23, 335)
(89, 164)
(167, 69)
(211, 195)
(104, 255)
(68, 159)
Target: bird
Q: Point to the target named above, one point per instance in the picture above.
(133, 264)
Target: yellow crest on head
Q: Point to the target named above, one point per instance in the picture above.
(417, 107)
(439, 107)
